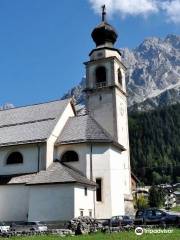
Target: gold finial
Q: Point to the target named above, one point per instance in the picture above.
(103, 13)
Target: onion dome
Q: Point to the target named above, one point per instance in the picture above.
(104, 32)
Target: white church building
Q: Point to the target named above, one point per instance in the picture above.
(55, 164)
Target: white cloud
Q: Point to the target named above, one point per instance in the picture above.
(140, 7)
(126, 7)
(172, 9)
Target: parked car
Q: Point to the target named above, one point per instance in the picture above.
(29, 226)
(155, 216)
(4, 227)
(117, 221)
(37, 226)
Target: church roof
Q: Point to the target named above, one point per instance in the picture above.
(30, 123)
(60, 173)
(84, 128)
(56, 173)
(16, 179)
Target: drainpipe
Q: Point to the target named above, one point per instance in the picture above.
(91, 171)
(38, 148)
(91, 176)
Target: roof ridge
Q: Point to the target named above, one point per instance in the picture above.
(78, 116)
(23, 142)
(34, 104)
(28, 122)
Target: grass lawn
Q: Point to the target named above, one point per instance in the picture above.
(175, 235)
(175, 209)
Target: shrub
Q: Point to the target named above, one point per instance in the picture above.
(156, 197)
(141, 202)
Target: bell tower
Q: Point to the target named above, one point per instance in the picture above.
(106, 98)
(106, 102)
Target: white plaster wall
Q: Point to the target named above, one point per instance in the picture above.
(30, 159)
(122, 119)
(14, 202)
(68, 112)
(42, 163)
(123, 136)
(102, 110)
(127, 172)
(104, 53)
(82, 149)
(118, 181)
(109, 53)
(83, 202)
(109, 164)
(51, 202)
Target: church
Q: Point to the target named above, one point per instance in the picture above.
(56, 164)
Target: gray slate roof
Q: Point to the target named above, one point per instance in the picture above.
(60, 173)
(29, 123)
(84, 129)
(19, 179)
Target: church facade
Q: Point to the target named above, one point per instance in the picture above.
(55, 164)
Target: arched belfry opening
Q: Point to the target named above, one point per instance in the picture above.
(101, 76)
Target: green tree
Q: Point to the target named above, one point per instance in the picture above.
(178, 179)
(155, 144)
(156, 196)
(156, 178)
(166, 179)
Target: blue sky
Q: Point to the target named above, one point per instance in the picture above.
(43, 43)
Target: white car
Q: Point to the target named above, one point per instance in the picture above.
(37, 226)
(4, 227)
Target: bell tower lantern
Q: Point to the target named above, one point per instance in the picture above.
(105, 83)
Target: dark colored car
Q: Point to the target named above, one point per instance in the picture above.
(155, 216)
(118, 221)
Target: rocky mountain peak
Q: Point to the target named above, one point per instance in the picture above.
(174, 40)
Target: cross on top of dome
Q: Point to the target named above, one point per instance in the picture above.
(103, 13)
(104, 32)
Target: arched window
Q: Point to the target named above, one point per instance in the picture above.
(101, 76)
(119, 77)
(69, 156)
(15, 158)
